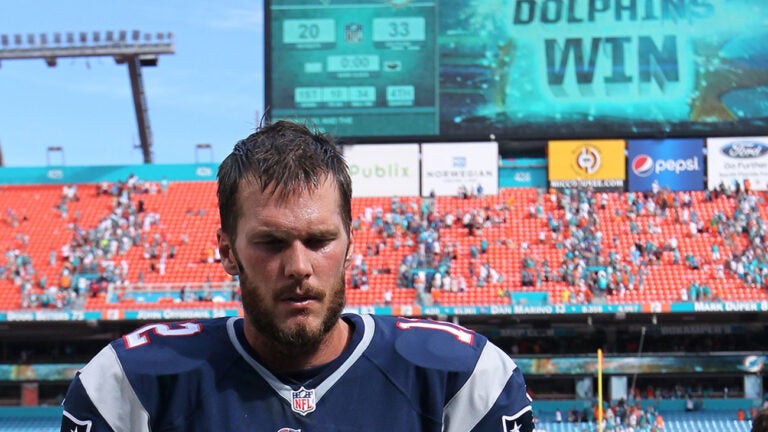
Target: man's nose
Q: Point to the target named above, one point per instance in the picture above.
(297, 262)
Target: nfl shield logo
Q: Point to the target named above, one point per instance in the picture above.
(353, 33)
(303, 401)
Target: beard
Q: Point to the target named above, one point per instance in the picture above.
(302, 337)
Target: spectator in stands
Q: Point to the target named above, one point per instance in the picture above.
(387, 297)
(689, 403)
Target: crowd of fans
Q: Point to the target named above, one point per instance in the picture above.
(424, 255)
(618, 417)
(593, 266)
(427, 262)
(590, 265)
(635, 416)
(93, 262)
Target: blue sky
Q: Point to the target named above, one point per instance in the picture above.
(209, 91)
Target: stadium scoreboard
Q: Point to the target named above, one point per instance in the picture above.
(477, 70)
(361, 67)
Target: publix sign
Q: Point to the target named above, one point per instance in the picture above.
(383, 169)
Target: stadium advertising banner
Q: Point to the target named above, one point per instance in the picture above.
(519, 69)
(737, 159)
(645, 365)
(696, 364)
(408, 310)
(383, 170)
(599, 164)
(674, 163)
(445, 168)
(523, 173)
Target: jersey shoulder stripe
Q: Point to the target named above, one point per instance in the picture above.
(480, 392)
(105, 381)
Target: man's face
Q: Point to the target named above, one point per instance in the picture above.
(290, 254)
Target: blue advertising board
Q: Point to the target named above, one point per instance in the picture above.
(110, 173)
(675, 163)
(523, 173)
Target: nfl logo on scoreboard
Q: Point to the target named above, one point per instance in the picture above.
(303, 401)
(353, 33)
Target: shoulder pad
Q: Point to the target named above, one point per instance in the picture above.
(167, 347)
(437, 344)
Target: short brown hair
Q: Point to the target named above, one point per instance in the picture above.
(282, 157)
(760, 422)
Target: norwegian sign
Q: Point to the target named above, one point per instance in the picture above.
(445, 168)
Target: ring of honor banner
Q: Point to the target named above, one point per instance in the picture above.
(598, 164)
(519, 69)
(677, 164)
(732, 160)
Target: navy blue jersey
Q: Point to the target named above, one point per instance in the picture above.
(397, 374)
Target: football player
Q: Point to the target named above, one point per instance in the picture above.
(295, 361)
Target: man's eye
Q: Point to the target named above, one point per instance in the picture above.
(317, 243)
(271, 244)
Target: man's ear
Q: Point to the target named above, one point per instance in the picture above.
(227, 252)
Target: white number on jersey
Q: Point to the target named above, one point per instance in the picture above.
(139, 336)
(462, 334)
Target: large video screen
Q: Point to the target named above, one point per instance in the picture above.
(457, 70)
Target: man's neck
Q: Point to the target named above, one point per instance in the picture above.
(294, 358)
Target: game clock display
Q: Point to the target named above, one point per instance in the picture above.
(357, 68)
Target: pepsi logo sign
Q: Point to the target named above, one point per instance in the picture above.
(642, 165)
(744, 149)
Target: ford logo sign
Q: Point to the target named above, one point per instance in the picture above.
(745, 149)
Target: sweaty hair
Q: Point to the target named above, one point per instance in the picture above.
(283, 158)
(760, 422)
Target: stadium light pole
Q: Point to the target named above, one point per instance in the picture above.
(54, 149)
(135, 50)
(201, 147)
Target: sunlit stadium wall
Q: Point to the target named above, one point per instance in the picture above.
(517, 173)
(110, 173)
